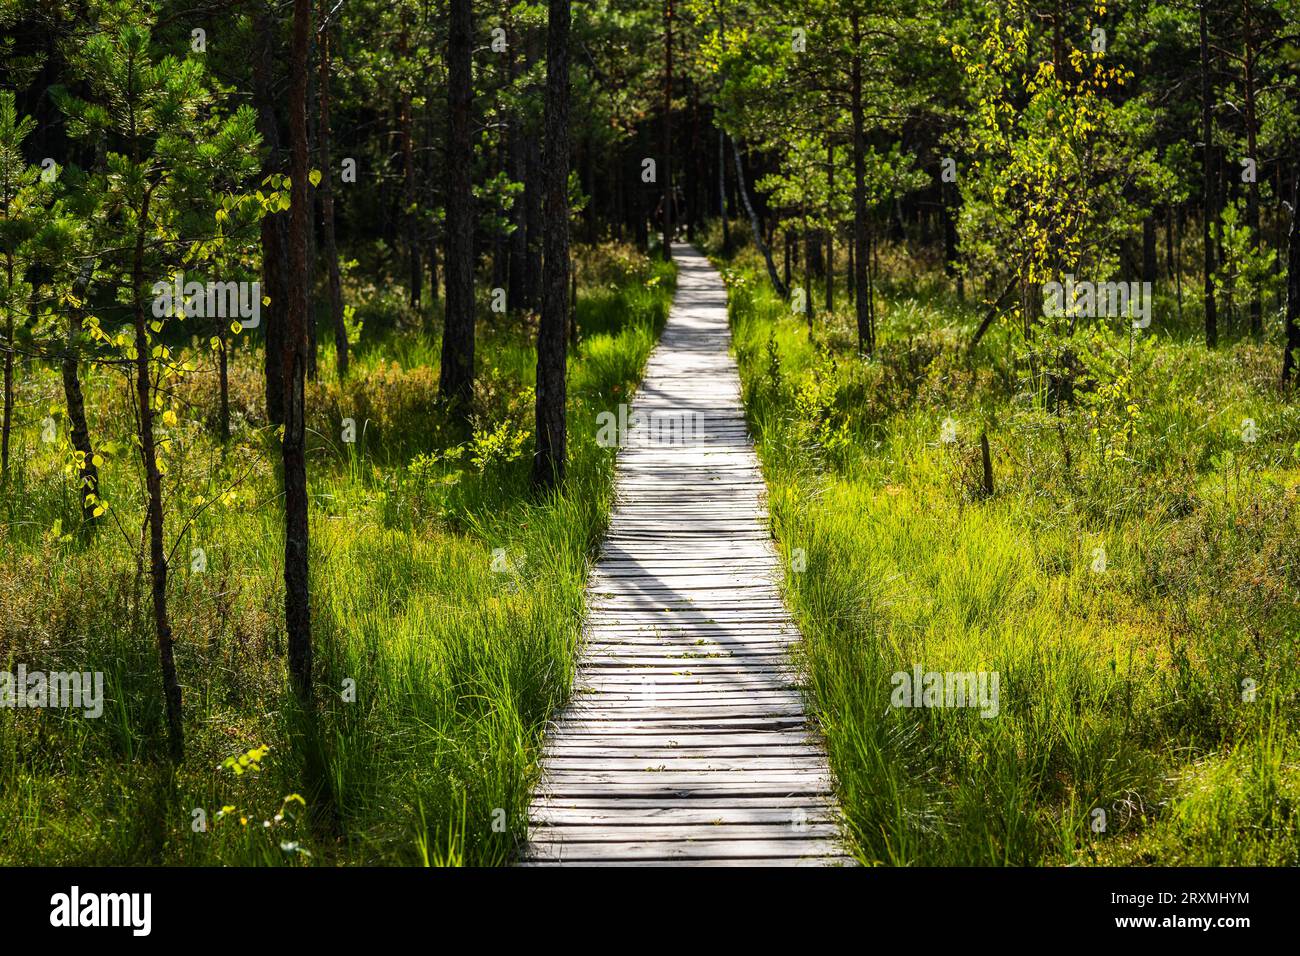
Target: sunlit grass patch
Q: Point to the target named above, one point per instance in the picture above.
(1134, 595)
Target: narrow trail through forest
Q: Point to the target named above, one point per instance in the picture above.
(686, 740)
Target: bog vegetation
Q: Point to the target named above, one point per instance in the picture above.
(308, 312)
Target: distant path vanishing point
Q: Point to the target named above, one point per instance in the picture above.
(686, 740)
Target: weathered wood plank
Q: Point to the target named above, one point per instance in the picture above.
(680, 831)
(675, 850)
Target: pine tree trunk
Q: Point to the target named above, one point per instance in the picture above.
(808, 245)
(640, 222)
(8, 391)
(312, 158)
(223, 381)
(851, 274)
(1208, 211)
(457, 383)
(430, 170)
(1149, 265)
(326, 195)
(517, 291)
(1171, 257)
(1290, 356)
(830, 232)
(293, 362)
(667, 163)
(722, 192)
(500, 242)
(950, 238)
(410, 220)
(153, 488)
(866, 330)
(1252, 130)
(274, 227)
(550, 460)
(532, 151)
(70, 366)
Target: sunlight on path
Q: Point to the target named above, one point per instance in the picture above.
(686, 739)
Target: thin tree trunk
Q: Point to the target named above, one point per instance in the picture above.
(698, 175)
(223, 381)
(275, 226)
(500, 241)
(533, 200)
(312, 158)
(950, 239)
(1149, 264)
(1207, 168)
(429, 176)
(722, 192)
(641, 229)
(71, 373)
(516, 271)
(1290, 356)
(809, 243)
(153, 488)
(409, 218)
(517, 294)
(8, 387)
(866, 330)
(457, 384)
(830, 232)
(763, 247)
(326, 194)
(550, 459)
(1175, 265)
(851, 273)
(668, 132)
(293, 362)
(1252, 131)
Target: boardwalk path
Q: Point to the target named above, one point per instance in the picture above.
(686, 740)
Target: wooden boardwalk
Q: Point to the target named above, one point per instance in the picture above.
(686, 741)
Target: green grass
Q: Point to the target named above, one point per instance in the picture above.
(1120, 691)
(436, 671)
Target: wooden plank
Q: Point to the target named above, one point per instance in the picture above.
(654, 755)
(711, 805)
(674, 850)
(679, 830)
(685, 816)
(675, 864)
(561, 763)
